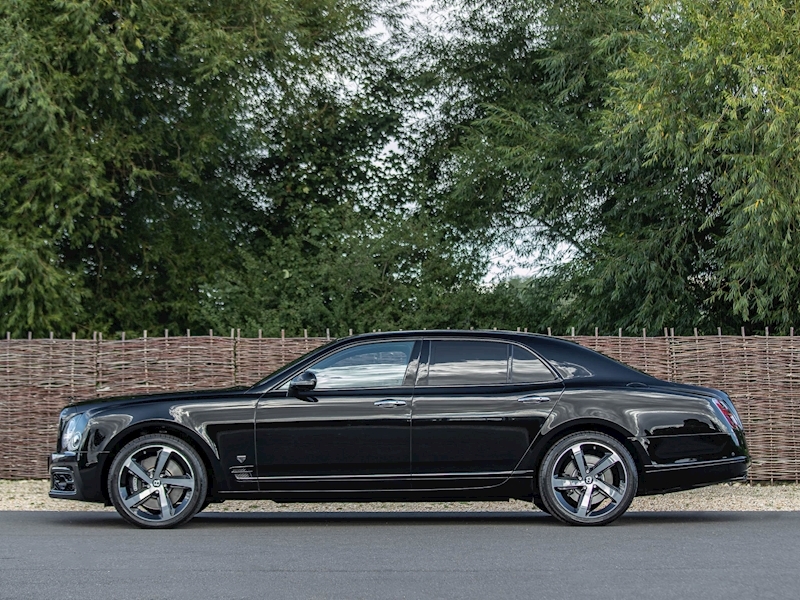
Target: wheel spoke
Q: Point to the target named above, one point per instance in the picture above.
(586, 501)
(135, 468)
(580, 461)
(161, 462)
(167, 510)
(136, 499)
(613, 493)
(180, 482)
(569, 484)
(609, 461)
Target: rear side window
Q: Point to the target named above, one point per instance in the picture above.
(459, 362)
(527, 368)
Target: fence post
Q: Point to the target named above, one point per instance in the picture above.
(790, 377)
(670, 356)
(144, 352)
(773, 450)
(188, 356)
(98, 361)
(5, 410)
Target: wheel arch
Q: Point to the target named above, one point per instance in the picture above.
(140, 429)
(551, 437)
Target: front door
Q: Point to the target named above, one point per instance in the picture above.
(478, 406)
(351, 433)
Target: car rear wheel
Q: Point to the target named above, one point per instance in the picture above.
(587, 478)
(157, 481)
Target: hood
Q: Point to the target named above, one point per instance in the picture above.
(159, 396)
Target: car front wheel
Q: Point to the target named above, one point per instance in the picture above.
(587, 478)
(157, 481)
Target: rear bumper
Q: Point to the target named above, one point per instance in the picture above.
(670, 478)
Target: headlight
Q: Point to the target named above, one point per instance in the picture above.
(72, 436)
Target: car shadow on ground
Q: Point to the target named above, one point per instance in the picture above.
(212, 519)
(463, 518)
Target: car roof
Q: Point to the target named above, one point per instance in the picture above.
(571, 360)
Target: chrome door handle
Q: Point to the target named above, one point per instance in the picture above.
(390, 403)
(534, 399)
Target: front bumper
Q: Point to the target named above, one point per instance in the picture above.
(71, 481)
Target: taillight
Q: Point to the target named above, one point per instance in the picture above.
(729, 413)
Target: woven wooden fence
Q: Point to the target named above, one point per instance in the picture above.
(39, 377)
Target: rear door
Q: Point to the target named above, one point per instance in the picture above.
(477, 407)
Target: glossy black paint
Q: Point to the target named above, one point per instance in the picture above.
(342, 436)
(418, 442)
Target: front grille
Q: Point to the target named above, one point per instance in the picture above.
(62, 480)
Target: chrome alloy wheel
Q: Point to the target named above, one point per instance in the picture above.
(588, 478)
(157, 481)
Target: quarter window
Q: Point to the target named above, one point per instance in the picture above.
(526, 368)
(376, 365)
(455, 363)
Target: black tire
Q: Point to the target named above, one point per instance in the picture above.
(537, 502)
(587, 478)
(163, 499)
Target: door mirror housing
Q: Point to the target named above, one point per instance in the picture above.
(302, 384)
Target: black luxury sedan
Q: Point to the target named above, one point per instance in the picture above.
(412, 415)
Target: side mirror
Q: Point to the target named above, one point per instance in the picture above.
(302, 384)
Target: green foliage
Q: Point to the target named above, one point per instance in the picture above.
(712, 89)
(653, 144)
(341, 242)
(122, 124)
(213, 165)
(271, 164)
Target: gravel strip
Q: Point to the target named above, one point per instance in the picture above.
(31, 494)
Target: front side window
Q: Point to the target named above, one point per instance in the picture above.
(460, 362)
(375, 365)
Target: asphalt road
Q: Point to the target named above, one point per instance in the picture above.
(401, 555)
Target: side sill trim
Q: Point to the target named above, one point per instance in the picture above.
(391, 476)
(696, 465)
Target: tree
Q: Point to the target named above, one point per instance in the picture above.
(652, 143)
(713, 89)
(120, 123)
(339, 240)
